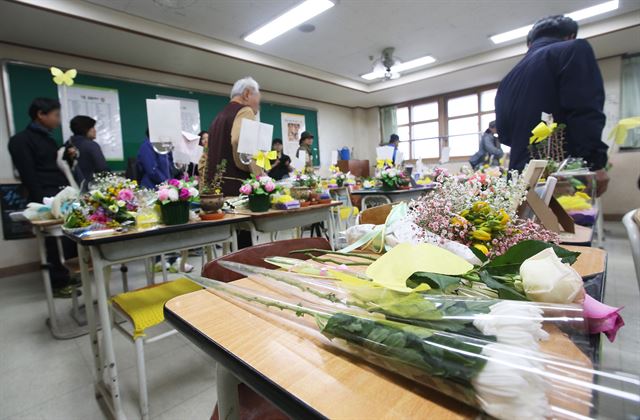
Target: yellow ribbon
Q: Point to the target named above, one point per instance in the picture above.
(619, 132)
(263, 159)
(541, 132)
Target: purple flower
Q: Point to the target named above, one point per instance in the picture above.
(184, 194)
(174, 182)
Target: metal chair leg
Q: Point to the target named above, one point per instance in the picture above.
(142, 379)
(124, 270)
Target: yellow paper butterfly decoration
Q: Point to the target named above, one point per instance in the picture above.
(63, 77)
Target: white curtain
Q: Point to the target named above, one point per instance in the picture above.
(630, 103)
(388, 121)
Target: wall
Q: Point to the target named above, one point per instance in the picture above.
(336, 124)
(622, 194)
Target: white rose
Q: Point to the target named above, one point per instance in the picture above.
(193, 192)
(173, 194)
(546, 279)
(392, 172)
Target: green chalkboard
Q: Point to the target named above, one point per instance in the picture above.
(28, 82)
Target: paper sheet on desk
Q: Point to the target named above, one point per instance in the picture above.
(254, 136)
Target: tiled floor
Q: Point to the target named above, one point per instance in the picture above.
(43, 378)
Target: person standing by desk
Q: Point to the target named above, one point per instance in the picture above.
(559, 75)
(224, 136)
(305, 144)
(394, 141)
(34, 154)
(89, 154)
(489, 151)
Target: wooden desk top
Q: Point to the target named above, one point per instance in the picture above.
(372, 191)
(591, 260)
(160, 230)
(276, 212)
(307, 378)
(45, 223)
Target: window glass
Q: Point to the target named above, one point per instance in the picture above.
(487, 100)
(424, 130)
(466, 125)
(465, 145)
(404, 148)
(485, 119)
(424, 112)
(423, 149)
(403, 133)
(402, 116)
(463, 105)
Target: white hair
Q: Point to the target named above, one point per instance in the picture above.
(241, 85)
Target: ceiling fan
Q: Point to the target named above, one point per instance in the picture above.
(389, 67)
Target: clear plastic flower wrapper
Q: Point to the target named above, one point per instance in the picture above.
(505, 381)
(506, 322)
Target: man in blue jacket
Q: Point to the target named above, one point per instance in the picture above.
(559, 75)
(153, 168)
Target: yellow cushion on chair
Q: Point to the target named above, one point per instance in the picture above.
(145, 306)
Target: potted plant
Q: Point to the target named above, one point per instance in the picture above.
(303, 185)
(175, 197)
(393, 179)
(259, 191)
(211, 197)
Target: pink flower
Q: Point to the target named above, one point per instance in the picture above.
(602, 318)
(269, 186)
(184, 194)
(125, 195)
(174, 182)
(163, 194)
(246, 189)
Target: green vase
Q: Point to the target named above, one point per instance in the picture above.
(387, 187)
(259, 203)
(175, 213)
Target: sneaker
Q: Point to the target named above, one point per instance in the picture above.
(175, 267)
(158, 267)
(65, 292)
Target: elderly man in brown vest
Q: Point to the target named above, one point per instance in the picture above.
(224, 134)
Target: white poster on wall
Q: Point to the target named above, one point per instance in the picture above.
(102, 105)
(293, 125)
(189, 111)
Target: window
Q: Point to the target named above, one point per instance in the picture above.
(425, 125)
(419, 125)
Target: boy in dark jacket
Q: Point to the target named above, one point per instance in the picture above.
(558, 75)
(34, 152)
(88, 152)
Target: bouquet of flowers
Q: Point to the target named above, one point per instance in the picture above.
(178, 190)
(369, 183)
(504, 380)
(111, 201)
(479, 213)
(307, 180)
(392, 178)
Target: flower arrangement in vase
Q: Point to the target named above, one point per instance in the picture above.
(393, 179)
(175, 197)
(304, 184)
(211, 197)
(259, 190)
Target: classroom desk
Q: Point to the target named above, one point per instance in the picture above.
(43, 229)
(394, 196)
(115, 248)
(304, 378)
(273, 220)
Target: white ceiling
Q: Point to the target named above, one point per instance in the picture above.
(88, 30)
(347, 34)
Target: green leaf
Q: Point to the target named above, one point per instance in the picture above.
(510, 261)
(483, 258)
(446, 284)
(505, 291)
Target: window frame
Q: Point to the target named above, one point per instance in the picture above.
(443, 119)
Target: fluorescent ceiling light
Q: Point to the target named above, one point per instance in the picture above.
(409, 65)
(294, 17)
(578, 15)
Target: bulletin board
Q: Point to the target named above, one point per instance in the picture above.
(28, 82)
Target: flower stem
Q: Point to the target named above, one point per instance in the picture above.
(344, 254)
(326, 260)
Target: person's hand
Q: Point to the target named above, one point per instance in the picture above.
(602, 182)
(276, 163)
